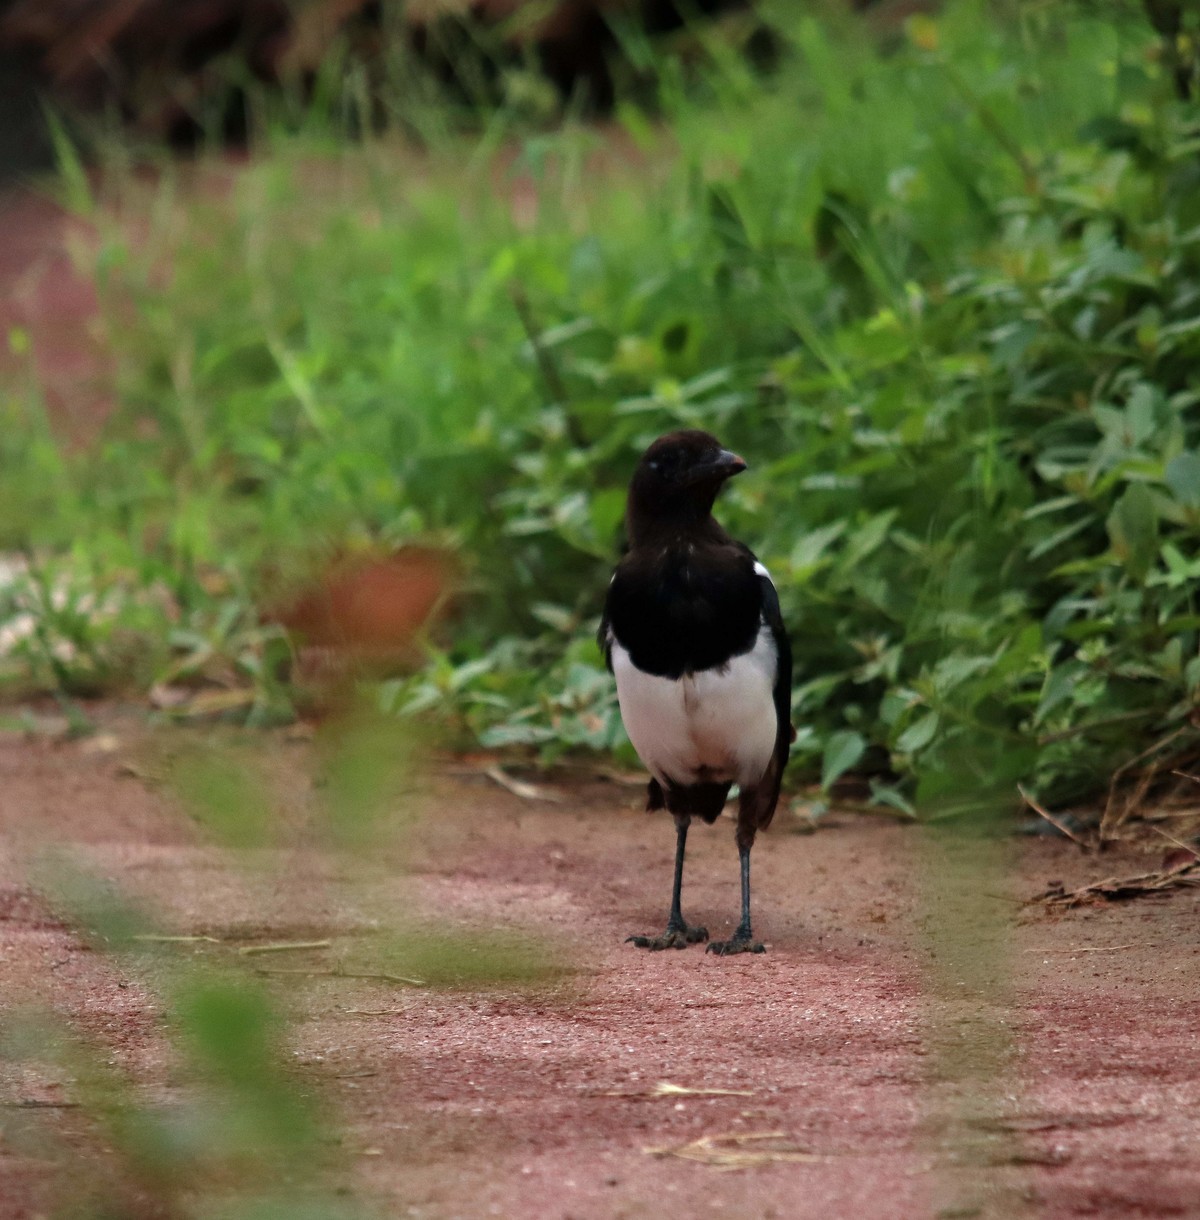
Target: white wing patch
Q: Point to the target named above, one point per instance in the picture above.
(714, 725)
(760, 569)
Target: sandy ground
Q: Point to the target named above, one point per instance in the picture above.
(925, 1045)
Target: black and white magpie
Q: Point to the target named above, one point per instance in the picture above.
(693, 633)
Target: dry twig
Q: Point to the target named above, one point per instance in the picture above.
(301, 972)
(738, 1151)
(1095, 948)
(1179, 869)
(518, 787)
(665, 1088)
(1172, 839)
(288, 946)
(1112, 818)
(37, 1103)
(1058, 825)
(155, 938)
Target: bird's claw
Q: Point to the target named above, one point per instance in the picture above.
(738, 944)
(672, 938)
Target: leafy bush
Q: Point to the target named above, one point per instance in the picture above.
(943, 296)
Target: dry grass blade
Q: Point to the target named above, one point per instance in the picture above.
(1172, 839)
(739, 1151)
(664, 1088)
(37, 1103)
(286, 946)
(1058, 825)
(212, 703)
(302, 972)
(155, 938)
(1096, 948)
(518, 787)
(1116, 811)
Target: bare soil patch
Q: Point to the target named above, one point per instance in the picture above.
(844, 1073)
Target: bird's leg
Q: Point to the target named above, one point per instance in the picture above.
(679, 933)
(676, 921)
(742, 940)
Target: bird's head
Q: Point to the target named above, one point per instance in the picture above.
(677, 481)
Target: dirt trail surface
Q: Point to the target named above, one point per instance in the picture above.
(1056, 1073)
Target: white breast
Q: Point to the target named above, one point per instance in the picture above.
(716, 724)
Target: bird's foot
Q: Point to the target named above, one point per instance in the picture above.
(739, 942)
(677, 936)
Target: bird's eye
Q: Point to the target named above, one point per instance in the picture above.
(654, 466)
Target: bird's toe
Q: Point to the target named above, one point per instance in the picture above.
(739, 944)
(672, 938)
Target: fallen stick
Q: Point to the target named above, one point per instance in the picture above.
(730, 1151)
(518, 787)
(1061, 827)
(665, 1088)
(301, 972)
(1115, 889)
(1096, 948)
(292, 946)
(34, 1103)
(155, 938)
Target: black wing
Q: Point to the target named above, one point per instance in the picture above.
(773, 617)
(604, 635)
(756, 805)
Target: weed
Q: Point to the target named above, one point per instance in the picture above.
(941, 294)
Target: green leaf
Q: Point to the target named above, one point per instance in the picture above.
(955, 669)
(869, 537)
(1141, 411)
(557, 618)
(1183, 478)
(607, 509)
(808, 552)
(1059, 536)
(842, 751)
(884, 794)
(1133, 530)
(1059, 686)
(502, 735)
(78, 191)
(918, 734)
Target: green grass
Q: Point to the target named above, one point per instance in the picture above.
(942, 294)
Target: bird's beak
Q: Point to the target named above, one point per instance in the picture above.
(724, 466)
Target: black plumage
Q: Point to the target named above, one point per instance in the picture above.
(693, 632)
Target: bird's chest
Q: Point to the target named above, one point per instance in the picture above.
(682, 617)
(716, 724)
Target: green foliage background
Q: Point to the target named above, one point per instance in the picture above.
(941, 288)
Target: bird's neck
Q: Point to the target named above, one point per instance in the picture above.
(689, 526)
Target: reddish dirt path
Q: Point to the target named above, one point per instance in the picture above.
(1036, 1067)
